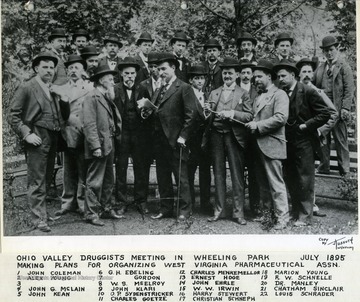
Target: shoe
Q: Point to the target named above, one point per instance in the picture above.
(111, 215)
(62, 212)
(240, 221)
(319, 214)
(182, 218)
(43, 227)
(300, 223)
(213, 219)
(158, 216)
(96, 221)
(280, 226)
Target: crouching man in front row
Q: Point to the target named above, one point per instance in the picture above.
(227, 137)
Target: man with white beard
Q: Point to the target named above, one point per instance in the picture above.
(102, 127)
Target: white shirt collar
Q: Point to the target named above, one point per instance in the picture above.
(245, 86)
(172, 80)
(232, 86)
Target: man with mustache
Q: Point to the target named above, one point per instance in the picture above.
(144, 44)
(57, 45)
(214, 78)
(179, 43)
(134, 140)
(336, 79)
(271, 110)
(74, 168)
(307, 112)
(283, 48)
(37, 114)
(80, 40)
(247, 43)
(227, 139)
(111, 58)
(91, 57)
(306, 75)
(102, 129)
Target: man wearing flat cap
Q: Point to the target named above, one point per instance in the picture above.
(57, 41)
(144, 44)
(227, 138)
(283, 47)
(134, 140)
(335, 77)
(179, 42)
(247, 43)
(111, 59)
(307, 112)
(91, 57)
(102, 129)
(74, 167)
(37, 114)
(271, 110)
(214, 78)
(80, 40)
(174, 122)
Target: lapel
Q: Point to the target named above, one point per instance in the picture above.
(336, 69)
(39, 93)
(297, 96)
(171, 90)
(236, 97)
(122, 93)
(217, 95)
(263, 102)
(149, 86)
(320, 75)
(103, 102)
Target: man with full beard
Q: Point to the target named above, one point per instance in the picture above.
(214, 78)
(102, 127)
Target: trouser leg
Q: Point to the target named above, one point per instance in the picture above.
(342, 146)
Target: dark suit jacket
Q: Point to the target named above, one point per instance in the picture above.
(104, 61)
(145, 89)
(213, 80)
(143, 73)
(97, 115)
(177, 111)
(343, 83)
(310, 107)
(26, 107)
(183, 74)
(242, 105)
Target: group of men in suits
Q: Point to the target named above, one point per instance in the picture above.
(156, 106)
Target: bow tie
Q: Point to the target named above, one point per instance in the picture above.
(129, 88)
(261, 91)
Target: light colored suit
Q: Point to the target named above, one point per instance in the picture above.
(271, 112)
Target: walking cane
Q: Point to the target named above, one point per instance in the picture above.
(178, 188)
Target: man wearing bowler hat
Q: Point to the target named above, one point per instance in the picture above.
(271, 110)
(227, 138)
(91, 57)
(283, 47)
(214, 78)
(179, 42)
(144, 44)
(247, 43)
(57, 41)
(307, 112)
(174, 122)
(336, 79)
(102, 129)
(80, 40)
(198, 157)
(74, 171)
(134, 140)
(111, 59)
(37, 114)
(148, 87)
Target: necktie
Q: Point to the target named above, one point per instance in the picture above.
(329, 71)
(161, 94)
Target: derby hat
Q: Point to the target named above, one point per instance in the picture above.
(88, 51)
(286, 64)
(74, 58)
(197, 70)
(152, 57)
(283, 37)
(306, 61)
(113, 39)
(57, 33)
(265, 65)
(128, 62)
(167, 57)
(212, 43)
(245, 36)
(44, 56)
(329, 41)
(244, 63)
(180, 36)
(101, 71)
(229, 62)
(144, 37)
(81, 33)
